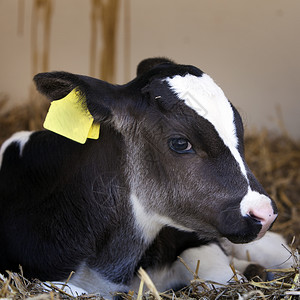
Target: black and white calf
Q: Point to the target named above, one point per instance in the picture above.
(167, 175)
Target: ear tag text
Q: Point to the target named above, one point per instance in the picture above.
(69, 118)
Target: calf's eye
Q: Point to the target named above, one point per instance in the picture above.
(180, 145)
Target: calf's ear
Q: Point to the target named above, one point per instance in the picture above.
(99, 97)
(56, 85)
(149, 63)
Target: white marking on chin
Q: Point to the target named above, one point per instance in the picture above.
(21, 138)
(150, 223)
(205, 97)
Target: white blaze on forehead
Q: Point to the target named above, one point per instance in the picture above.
(206, 98)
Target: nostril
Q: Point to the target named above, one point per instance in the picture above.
(259, 211)
(253, 216)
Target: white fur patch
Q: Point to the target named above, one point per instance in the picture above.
(93, 283)
(253, 199)
(214, 263)
(206, 98)
(69, 288)
(214, 266)
(271, 251)
(21, 138)
(150, 223)
(163, 278)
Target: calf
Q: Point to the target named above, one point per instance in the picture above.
(167, 174)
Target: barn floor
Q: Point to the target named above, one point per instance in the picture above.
(275, 160)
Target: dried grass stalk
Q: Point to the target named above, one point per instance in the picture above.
(149, 283)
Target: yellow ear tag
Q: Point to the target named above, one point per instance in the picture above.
(69, 118)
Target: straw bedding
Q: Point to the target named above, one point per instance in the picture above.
(275, 160)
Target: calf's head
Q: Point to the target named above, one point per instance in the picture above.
(183, 147)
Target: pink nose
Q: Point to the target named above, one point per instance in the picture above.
(265, 215)
(259, 208)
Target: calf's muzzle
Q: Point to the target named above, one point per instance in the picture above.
(260, 209)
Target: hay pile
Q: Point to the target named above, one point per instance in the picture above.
(274, 159)
(27, 116)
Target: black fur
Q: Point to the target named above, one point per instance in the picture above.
(148, 64)
(63, 204)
